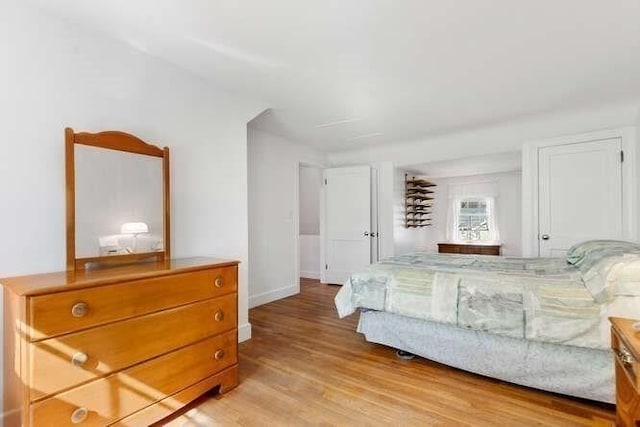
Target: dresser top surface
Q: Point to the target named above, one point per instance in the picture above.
(37, 284)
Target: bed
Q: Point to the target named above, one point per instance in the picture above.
(538, 322)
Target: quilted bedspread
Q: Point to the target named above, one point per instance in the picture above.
(541, 299)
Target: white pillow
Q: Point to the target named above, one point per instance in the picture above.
(613, 276)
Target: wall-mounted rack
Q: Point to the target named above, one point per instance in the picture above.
(418, 196)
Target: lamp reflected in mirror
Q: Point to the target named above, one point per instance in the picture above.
(135, 229)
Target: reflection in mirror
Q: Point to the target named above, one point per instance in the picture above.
(118, 202)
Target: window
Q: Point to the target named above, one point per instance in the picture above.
(474, 220)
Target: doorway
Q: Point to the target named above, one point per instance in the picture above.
(309, 193)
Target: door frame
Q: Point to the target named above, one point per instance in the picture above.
(530, 151)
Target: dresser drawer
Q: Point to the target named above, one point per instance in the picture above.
(64, 312)
(469, 249)
(628, 363)
(109, 399)
(627, 397)
(108, 348)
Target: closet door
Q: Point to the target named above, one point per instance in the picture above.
(580, 194)
(347, 213)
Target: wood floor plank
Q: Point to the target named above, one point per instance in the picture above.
(304, 366)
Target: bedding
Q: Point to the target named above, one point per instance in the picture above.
(551, 300)
(575, 371)
(592, 251)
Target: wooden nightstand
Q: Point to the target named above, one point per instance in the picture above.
(625, 343)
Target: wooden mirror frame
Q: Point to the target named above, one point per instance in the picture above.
(119, 141)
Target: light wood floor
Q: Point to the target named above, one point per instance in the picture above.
(304, 366)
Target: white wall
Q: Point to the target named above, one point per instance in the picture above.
(273, 210)
(310, 183)
(53, 75)
(508, 210)
(386, 209)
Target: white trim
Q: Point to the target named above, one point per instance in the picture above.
(386, 178)
(374, 219)
(244, 332)
(296, 225)
(529, 200)
(310, 274)
(323, 202)
(276, 294)
(530, 150)
(630, 184)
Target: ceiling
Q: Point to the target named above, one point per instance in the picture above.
(470, 166)
(342, 74)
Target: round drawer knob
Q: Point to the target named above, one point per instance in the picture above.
(219, 316)
(80, 309)
(218, 282)
(218, 355)
(79, 359)
(79, 415)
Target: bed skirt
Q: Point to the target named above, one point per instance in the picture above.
(575, 371)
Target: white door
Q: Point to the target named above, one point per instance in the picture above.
(347, 216)
(580, 194)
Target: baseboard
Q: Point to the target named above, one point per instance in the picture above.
(244, 332)
(265, 297)
(310, 274)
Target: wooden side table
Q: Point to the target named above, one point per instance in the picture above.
(468, 248)
(625, 342)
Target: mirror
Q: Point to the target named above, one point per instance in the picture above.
(117, 199)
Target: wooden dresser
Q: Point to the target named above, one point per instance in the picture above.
(125, 345)
(625, 343)
(463, 248)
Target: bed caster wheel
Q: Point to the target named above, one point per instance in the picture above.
(404, 355)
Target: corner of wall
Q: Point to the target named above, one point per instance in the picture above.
(274, 223)
(244, 332)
